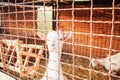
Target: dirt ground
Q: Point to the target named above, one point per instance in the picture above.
(80, 68)
(77, 69)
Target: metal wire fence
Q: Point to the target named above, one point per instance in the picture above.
(95, 32)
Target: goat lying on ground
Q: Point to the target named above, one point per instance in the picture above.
(54, 41)
(112, 63)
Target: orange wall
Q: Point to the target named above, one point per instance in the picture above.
(82, 41)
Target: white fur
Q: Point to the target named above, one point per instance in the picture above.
(54, 69)
(113, 62)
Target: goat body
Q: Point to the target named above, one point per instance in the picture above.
(112, 62)
(54, 69)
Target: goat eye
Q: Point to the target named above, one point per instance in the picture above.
(61, 39)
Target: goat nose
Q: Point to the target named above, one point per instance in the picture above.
(53, 44)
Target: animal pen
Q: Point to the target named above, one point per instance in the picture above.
(95, 28)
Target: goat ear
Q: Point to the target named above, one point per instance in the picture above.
(67, 36)
(42, 36)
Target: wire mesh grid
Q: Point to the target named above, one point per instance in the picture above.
(95, 30)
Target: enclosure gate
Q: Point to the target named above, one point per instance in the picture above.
(16, 56)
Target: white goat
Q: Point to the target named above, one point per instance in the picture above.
(112, 63)
(54, 42)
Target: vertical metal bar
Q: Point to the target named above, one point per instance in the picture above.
(9, 19)
(16, 29)
(9, 24)
(1, 31)
(73, 54)
(57, 27)
(24, 22)
(54, 16)
(111, 37)
(57, 14)
(91, 24)
(34, 22)
(44, 10)
(16, 19)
